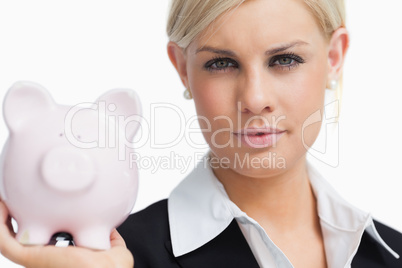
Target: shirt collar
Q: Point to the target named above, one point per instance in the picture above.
(199, 211)
(341, 222)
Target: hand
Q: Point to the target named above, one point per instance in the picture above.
(50, 256)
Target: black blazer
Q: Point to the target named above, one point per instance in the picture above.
(148, 238)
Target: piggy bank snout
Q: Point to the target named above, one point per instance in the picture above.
(68, 169)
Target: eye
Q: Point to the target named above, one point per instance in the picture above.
(288, 61)
(219, 64)
(285, 61)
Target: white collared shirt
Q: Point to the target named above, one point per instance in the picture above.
(199, 210)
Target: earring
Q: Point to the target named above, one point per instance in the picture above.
(333, 84)
(187, 94)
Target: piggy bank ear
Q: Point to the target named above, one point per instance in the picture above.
(24, 101)
(123, 103)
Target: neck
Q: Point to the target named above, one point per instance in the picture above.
(282, 202)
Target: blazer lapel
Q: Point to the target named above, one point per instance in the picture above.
(368, 254)
(373, 255)
(229, 249)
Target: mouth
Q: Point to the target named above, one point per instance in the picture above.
(253, 131)
(259, 137)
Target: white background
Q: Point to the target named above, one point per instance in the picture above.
(79, 49)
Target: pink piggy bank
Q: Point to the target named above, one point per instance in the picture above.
(65, 169)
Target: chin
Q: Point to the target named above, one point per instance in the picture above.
(252, 161)
(259, 172)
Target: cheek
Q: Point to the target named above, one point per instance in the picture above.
(213, 97)
(305, 104)
(215, 103)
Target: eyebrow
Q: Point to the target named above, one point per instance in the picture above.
(284, 47)
(271, 51)
(216, 51)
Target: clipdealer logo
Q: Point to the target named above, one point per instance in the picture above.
(110, 133)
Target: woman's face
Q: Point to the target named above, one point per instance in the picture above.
(256, 76)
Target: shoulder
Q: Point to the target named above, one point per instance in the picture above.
(150, 223)
(391, 237)
(371, 254)
(147, 235)
(154, 215)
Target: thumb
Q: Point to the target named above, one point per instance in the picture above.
(116, 240)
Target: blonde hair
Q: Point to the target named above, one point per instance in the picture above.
(188, 18)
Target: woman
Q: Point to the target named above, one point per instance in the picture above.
(257, 70)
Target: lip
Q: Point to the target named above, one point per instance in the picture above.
(259, 137)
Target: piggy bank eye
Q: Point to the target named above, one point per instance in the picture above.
(61, 135)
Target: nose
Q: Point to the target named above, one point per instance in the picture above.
(254, 94)
(68, 169)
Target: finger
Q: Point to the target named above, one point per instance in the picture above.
(4, 212)
(116, 240)
(4, 215)
(5, 218)
(10, 226)
(9, 247)
(120, 255)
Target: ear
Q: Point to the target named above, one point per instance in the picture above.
(338, 46)
(24, 101)
(178, 58)
(124, 102)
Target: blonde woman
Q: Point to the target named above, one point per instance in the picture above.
(256, 70)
